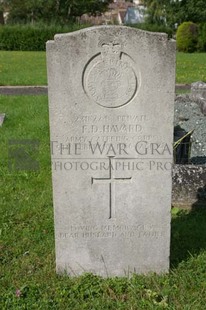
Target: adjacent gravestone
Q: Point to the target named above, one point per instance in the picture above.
(2, 117)
(198, 90)
(198, 94)
(111, 93)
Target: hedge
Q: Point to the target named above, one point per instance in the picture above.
(154, 28)
(34, 37)
(30, 38)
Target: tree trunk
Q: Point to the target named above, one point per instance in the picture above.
(2, 18)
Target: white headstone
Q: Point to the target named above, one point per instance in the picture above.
(111, 94)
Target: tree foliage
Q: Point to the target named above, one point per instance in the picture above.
(24, 11)
(159, 12)
(156, 11)
(176, 11)
(76, 8)
(53, 10)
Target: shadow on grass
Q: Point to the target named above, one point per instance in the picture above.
(188, 234)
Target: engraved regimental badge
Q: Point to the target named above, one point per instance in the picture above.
(109, 78)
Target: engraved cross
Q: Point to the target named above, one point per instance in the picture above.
(111, 180)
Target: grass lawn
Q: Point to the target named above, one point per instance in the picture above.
(28, 278)
(29, 68)
(190, 68)
(23, 68)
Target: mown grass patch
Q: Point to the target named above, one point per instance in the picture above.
(22, 68)
(28, 277)
(190, 68)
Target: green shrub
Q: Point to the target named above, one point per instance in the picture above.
(187, 37)
(30, 38)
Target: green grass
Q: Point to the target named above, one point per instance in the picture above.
(29, 68)
(28, 278)
(190, 68)
(23, 68)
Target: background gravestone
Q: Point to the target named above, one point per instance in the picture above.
(2, 117)
(198, 94)
(111, 96)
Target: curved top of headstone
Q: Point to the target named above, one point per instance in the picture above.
(110, 28)
(111, 60)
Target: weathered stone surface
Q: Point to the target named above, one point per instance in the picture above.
(190, 118)
(198, 89)
(198, 94)
(111, 101)
(189, 183)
